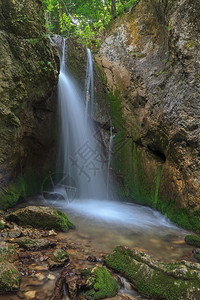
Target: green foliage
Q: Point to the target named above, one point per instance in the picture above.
(83, 19)
(192, 240)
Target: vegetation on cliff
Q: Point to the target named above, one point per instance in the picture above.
(83, 19)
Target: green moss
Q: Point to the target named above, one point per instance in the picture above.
(151, 281)
(1, 226)
(23, 242)
(86, 272)
(192, 240)
(60, 255)
(63, 221)
(197, 256)
(102, 284)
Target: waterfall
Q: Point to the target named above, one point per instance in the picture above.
(109, 160)
(80, 159)
(89, 86)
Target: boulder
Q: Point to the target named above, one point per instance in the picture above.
(41, 217)
(157, 280)
(100, 284)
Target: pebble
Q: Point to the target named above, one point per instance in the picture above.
(30, 294)
(51, 277)
(40, 276)
(52, 232)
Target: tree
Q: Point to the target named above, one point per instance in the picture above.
(82, 18)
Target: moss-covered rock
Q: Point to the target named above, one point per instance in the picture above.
(58, 258)
(8, 253)
(33, 244)
(9, 277)
(41, 217)
(157, 280)
(29, 66)
(100, 284)
(192, 240)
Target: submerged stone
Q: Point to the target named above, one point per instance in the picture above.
(41, 217)
(192, 240)
(100, 284)
(9, 277)
(153, 279)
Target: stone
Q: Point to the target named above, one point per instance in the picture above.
(58, 258)
(51, 277)
(40, 276)
(30, 294)
(33, 244)
(8, 253)
(100, 284)
(154, 279)
(9, 277)
(41, 217)
(14, 234)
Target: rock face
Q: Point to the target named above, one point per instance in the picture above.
(29, 72)
(41, 217)
(154, 279)
(150, 61)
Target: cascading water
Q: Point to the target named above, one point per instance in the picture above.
(80, 159)
(109, 161)
(89, 86)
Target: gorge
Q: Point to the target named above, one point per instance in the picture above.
(97, 140)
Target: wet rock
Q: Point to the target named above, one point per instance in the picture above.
(14, 234)
(33, 244)
(40, 276)
(192, 240)
(30, 294)
(51, 277)
(8, 253)
(58, 258)
(100, 284)
(41, 217)
(154, 279)
(9, 277)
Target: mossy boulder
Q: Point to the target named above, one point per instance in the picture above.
(58, 258)
(192, 240)
(41, 217)
(154, 279)
(9, 277)
(100, 284)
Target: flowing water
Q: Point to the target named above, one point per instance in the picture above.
(80, 159)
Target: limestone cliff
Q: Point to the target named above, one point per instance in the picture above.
(150, 62)
(29, 72)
